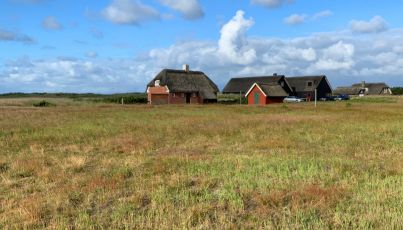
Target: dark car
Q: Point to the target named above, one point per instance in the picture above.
(342, 97)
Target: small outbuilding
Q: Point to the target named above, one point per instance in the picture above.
(241, 85)
(181, 87)
(263, 94)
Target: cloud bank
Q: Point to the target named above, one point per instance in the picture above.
(343, 56)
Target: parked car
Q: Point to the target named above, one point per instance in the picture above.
(342, 97)
(292, 99)
(327, 98)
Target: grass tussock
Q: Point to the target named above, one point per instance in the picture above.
(336, 166)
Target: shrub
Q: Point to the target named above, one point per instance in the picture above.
(397, 90)
(43, 104)
(135, 99)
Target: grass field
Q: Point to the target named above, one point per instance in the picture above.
(94, 166)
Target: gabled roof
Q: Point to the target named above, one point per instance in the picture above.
(348, 90)
(181, 81)
(373, 88)
(269, 90)
(300, 83)
(243, 84)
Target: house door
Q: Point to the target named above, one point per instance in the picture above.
(188, 96)
(256, 97)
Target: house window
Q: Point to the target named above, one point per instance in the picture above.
(182, 95)
(194, 95)
(310, 84)
(282, 84)
(174, 95)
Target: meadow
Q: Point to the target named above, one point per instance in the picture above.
(81, 165)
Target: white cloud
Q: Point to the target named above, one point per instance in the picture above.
(190, 9)
(9, 36)
(271, 3)
(322, 14)
(295, 19)
(91, 54)
(232, 43)
(338, 56)
(375, 25)
(51, 23)
(129, 12)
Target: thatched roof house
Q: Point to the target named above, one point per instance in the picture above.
(365, 88)
(374, 88)
(181, 86)
(348, 90)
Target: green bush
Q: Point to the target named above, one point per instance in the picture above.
(397, 90)
(231, 99)
(138, 99)
(43, 104)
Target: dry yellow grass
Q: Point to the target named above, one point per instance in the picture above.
(100, 166)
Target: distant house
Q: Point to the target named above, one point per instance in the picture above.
(305, 86)
(263, 94)
(243, 84)
(349, 90)
(380, 88)
(181, 87)
(364, 88)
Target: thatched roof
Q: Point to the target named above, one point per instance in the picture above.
(273, 90)
(243, 84)
(373, 88)
(300, 84)
(181, 81)
(348, 90)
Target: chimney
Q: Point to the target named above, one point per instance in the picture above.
(363, 84)
(186, 67)
(157, 83)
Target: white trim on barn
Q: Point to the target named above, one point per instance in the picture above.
(255, 84)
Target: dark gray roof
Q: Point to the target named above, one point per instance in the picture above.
(347, 90)
(273, 90)
(373, 88)
(243, 84)
(180, 81)
(301, 83)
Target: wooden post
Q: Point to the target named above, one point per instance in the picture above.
(123, 101)
(240, 97)
(316, 97)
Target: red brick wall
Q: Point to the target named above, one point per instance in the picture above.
(157, 95)
(178, 99)
(159, 99)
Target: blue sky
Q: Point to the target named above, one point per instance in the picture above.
(109, 46)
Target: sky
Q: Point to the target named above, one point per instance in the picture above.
(114, 46)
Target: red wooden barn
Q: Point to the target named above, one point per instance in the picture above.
(263, 94)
